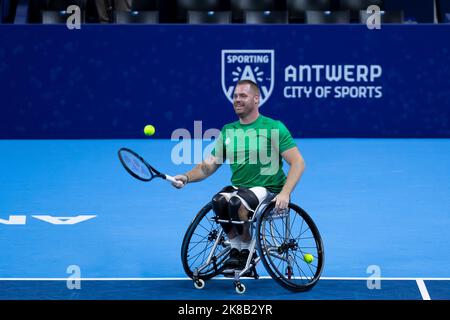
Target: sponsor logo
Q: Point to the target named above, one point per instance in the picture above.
(255, 65)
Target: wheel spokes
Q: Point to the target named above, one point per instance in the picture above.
(285, 241)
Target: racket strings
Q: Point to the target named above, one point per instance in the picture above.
(136, 165)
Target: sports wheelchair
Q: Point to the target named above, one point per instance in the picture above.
(284, 240)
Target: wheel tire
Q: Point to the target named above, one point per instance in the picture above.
(186, 241)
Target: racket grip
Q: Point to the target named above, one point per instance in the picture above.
(171, 179)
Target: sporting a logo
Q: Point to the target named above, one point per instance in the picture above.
(255, 65)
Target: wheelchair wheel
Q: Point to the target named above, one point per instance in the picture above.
(287, 242)
(197, 255)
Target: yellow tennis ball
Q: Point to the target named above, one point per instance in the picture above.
(149, 130)
(308, 258)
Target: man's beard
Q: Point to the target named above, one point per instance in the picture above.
(243, 111)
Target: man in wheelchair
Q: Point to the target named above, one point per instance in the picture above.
(255, 146)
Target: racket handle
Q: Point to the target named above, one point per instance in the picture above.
(171, 179)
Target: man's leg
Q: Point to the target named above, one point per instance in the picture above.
(220, 207)
(123, 5)
(243, 216)
(239, 212)
(104, 10)
(237, 205)
(220, 203)
(250, 199)
(245, 235)
(10, 8)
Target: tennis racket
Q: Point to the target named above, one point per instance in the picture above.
(139, 168)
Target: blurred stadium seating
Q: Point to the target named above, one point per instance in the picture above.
(260, 17)
(60, 5)
(324, 17)
(200, 17)
(145, 5)
(55, 11)
(386, 16)
(230, 11)
(57, 17)
(205, 6)
(146, 17)
(443, 10)
(239, 8)
(355, 6)
(297, 8)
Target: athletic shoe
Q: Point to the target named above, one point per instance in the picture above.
(233, 260)
(243, 257)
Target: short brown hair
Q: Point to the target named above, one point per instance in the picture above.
(253, 85)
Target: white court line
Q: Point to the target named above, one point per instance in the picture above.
(423, 289)
(380, 278)
(186, 278)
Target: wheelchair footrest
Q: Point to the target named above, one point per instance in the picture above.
(229, 273)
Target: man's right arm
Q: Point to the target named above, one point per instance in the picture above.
(199, 172)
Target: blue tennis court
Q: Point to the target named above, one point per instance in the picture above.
(380, 204)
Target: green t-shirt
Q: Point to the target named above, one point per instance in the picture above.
(254, 152)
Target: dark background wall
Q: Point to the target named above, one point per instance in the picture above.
(109, 81)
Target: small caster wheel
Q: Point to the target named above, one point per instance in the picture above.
(240, 288)
(199, 284)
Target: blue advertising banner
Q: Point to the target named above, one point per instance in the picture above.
(321, 80)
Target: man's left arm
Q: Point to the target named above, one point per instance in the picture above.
(297, 166)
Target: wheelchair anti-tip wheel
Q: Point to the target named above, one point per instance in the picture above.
(204, 247)
(290, 247)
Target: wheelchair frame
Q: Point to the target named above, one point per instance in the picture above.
(249, 270)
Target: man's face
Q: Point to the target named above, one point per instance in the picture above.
(245, 100)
